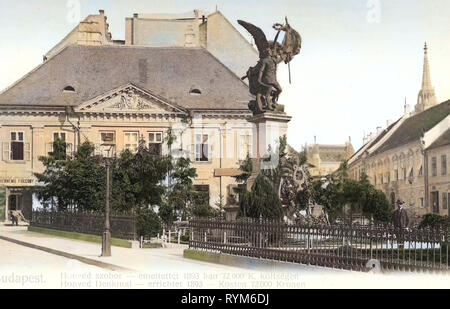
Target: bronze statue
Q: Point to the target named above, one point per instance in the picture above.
(263, 76)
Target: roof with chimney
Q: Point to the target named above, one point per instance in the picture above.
(414, 127)
(189, 77)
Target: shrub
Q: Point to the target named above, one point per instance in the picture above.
(148, 224)
(434, 221)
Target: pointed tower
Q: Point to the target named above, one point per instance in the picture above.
(426, 97)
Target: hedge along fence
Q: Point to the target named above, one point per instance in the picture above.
(122, 226)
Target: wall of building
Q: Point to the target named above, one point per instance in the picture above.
(162, 33)
(440, 183)
(91, 31)
(226, 43)
(216, 34)
(381, 170)
(224, 140)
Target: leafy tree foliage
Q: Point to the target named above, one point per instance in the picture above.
(148, 223)
(342, 197)
(72, 183)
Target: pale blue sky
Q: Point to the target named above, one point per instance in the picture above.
(353, 72)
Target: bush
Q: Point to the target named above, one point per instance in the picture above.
(148, 224)
(434, 221)
(262, 201)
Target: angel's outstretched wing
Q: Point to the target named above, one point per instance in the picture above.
(258, 35)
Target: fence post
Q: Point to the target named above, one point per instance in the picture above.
(141, 243)
(170, 234)
(164, 235)
(205, 238)
(224, 237)
(179, 236)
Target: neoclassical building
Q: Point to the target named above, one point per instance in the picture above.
(114, 93)
(409, 160)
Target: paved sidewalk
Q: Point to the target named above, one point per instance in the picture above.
(166, 268)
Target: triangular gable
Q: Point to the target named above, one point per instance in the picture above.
(129, 99)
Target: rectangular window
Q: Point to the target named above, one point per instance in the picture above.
(57, 135)
(433, 166)
(107, 143)
(201, 148)
(108, 138)
(131, 141)
(17, 146)
(60, 135)
(388, 177)
(422, 202)
(396, 175)
(155, 143)
(444, 200)
(443, 165)
(404, 173)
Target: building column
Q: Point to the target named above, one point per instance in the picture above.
(38, 148)
(6, 204)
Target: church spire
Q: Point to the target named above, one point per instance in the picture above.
(426, 96)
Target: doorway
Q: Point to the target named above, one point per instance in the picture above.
(435, 201)
(15, 202)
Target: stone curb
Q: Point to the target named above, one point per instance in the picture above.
(69, 255)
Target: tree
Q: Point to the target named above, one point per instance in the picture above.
(262, 201)
(181, 195)
(148, 223)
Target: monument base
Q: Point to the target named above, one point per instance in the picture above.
(267, 130)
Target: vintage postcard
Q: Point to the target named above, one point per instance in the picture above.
(250, 145)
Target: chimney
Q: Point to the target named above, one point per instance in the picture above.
(388, 122)
(378, 130)
(135, 15)
(406, 110)
(102, 12)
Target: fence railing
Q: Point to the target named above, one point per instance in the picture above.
(122, 226)
(357, 247)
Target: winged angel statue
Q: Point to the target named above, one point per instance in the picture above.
(263, 76)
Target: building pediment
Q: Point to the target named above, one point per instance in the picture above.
(129, 99)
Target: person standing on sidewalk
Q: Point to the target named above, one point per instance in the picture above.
(401, 222)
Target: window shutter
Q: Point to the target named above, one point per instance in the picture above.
(27, 152)
(6, 151)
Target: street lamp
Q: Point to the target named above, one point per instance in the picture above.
(106, 238)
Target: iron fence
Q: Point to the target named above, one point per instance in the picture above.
(356, 247)
(122, 226)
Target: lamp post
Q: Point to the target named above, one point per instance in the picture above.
(106, 238)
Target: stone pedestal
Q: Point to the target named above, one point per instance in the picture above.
(268, 127)
(231, 212)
